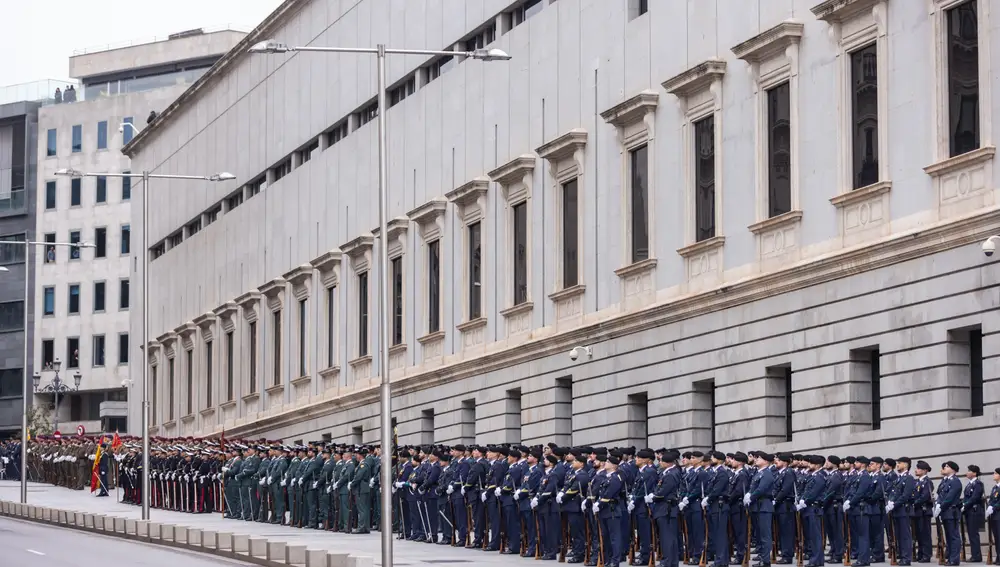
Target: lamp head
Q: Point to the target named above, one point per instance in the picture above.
(221, 176)
(69, 172)
(491, 55)
(37, 379)
(87, 245)
(269, 46)
(4, 269)
(76, 379)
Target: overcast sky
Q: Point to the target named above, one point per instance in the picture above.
(40, 35)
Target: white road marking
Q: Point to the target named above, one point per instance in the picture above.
(35, 552)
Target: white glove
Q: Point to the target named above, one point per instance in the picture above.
(597, 507)
(482, 497)
(284, 482)
(261, 483)
(583, 506)
(989, 511)
(371, 483)
(631, 506)
(187, 478)
(746, 499)
(685, 501)
(225, 469)
(937, 510)
(847, 505)
(890, 506)
(517, 495)
(799, 506)
(329, 489)
(463, 491)
(450, 490)
(300, 481)
(683, 504)
(704, 503)
(497, 492)
(270, 481)
(398, 484)
(559, 498)
(648, 498)
(350, 484)
(393, 489)
(315, 485)
(534, 503)
(202, 481)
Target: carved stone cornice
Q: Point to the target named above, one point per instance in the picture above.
(696, 79)
(226, 310)
(249, 303)
(632, 110)
(396, 240)
(206, 322)
(770, 42)
(274, 292)
(837, 11)
(359, 251)
(299, 275)
(515, 177)
(469, 193)
(565, 146)
(328, 266)
(186, 333)
(430, 217)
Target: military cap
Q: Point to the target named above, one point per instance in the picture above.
(784, 457)
(951, 465)
(818, 460)
(552, 459)
(741, 458)
(904, 460)
(922, 465)
(719, 455)
(863, 460)
(601, 457)
(629, 451)
(645, 454)
(560, 451)
(834, 460)
(669, 456)
(891, 462)
(513, 452)
(766, 456)
(849, 459)
(614, 460)
(576, 452)
(460, 448)
(501, 451)
(877, 460)
(446, 457)
(697, 454)
(974, 469)
(997, 470)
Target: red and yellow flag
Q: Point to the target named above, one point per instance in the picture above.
(116, 442)
(95, 477)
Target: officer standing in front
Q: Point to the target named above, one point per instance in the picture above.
(948, 509)
(972, 510)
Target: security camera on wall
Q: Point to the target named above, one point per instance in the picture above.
(577, 351)
(989, 247)
(121, 129)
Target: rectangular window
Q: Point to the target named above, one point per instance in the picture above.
(170, 392)
(475, 271)
(122, 348)
(98, 350)
(876, 381)
(976, 372)
(50, 251)
(74, 251)
(704, 178)
(864, 115)
(102, 135)
(49, 303)
(50, 195)
(126, 186)
(127, 132)
(50, 145)
(520, 253)
(77, 138)
(639, 195)
(277, 347)
(74, 192)
(123, 294)
(963, 78)
(12, 253)
(331, 326)
(73, 352)
(779, 150)
(363, 314)
(434, 286)
(190, 381)
(253, 357)
(570, 234)
(208, 374)
(397, 301)
(48, 353)
(787, 381)
(11, 383)
(12, 316)
(152, 394)
(100, 242)
(98, 296)
(102, 190)
(126, 244)
(234, 201)
(230, 372)
(303, 367)
(74, 299)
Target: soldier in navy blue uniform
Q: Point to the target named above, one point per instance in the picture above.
(784, 508)
(876, 511)
(664, 501)
(547, 510)
(607, 507)
(627, 470)
(531, 480)
(643, 484)
(694, 491)
(923, 505)
(418, 522)
(739, 484)
(760, 501)
(899, 508)
(715, 506)
(572, 500)
(811, 508)
(429, 495)
(475, 490)
(491, 497)
(833, 499)
(443, 492)
(511, 517)
(949, 509)
(860, 499)
(972, 510)
(992, 519)
(456, 495)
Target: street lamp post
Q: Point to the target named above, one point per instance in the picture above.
(28, 244)
(56, 386)
(146, 176)
(385, 392)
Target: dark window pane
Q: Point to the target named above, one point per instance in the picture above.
(123, 292)
(170, 392)
(100, 242)
(11, 382)
(277, 347)
(12, 316)
(520, 253)
(102, 135)
(99, 296)
(434, 286)
(190, 382)
(963, 78)
(102, 190)
(475, 271)
(99, 350)
(127, 131)
(253, 357)
(74, 299)
(50, 251)
(74, 192)
(123, 348)
(779, 151)
(50, 142)
(570, 234)
(73, 352)
(77, 138)
(363, 314)
(303, 367)
(704, 178)
(74, 251)
(126, 239)
(126, 187)
(397, 301)
(50, 194)
(864, 100)
(640, 204)
(208, 374)
(976, 372)
(50, 301)
(331, 326)
(230, 373)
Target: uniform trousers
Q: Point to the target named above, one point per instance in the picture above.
(717, 520)
(667, 532)
(953, 540)
(738, 519)
(904, 539)
(577, 533)
(764, 536)
(643, 527)
(974, 523)
(833, 518)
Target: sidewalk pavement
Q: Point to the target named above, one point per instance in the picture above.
(405, 552)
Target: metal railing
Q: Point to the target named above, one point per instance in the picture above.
(35, 91)
(154, 39)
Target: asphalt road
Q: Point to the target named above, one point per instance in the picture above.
(26, 543)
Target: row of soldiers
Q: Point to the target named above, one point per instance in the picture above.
(61, 461)
(593, 505)
(10, 459)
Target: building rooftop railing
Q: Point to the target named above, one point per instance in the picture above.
(36, 91)
(154, 39)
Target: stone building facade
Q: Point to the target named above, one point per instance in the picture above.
(763, 220)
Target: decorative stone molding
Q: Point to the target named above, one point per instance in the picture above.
(430, 218)
(152, 349)
(206, 415)
(430, 221)
(704, 260)
(964, 183)
(473, 332)
(397, 356)
(361, 367)
(634, 118)
(842, 10)
(226, 314)
(249, 302)
(433, 345)
(301, 281)
(863, 212)
(168, 341)
(565, 152)
(637, 280)
(301, 387)
(569, 302)
(396, 229)
(328, 266)
(697, 79)
(518, 318)
(186, 334)
(778, 237)
(275, 396)
(470, 199)
(274, 292)
(771, 43)
(251, 404)
(206, 322)
(515, 178)
(330, 376)
(565, 157)
(359, 251)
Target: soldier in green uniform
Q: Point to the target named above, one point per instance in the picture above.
(234, 503)
(261, 484)
(338, 471)
(291, 477)
(300, 501)
(362, 488)
(344, 484)
(276, 482)
(248, 485)
(310, 486)
(376, 484)
(324, 488)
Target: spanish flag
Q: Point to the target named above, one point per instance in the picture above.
(95, 477)
(116, 442)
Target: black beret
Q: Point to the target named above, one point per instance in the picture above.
(922, 465)
(552, 446)
(797, 457)
(863, 460)
(500, 451)
(576, 452)
(766, 456)
(686, 455)
(460, 448)
(446, 457)
(645, 454)
(904, 460)
(997, 470)
(629, 450)
(951, 465)
(741, 458)
(560, 451)
(602, 457)
(784, 457)
(719, 455)
(877, 460)
(512, 452)
(818, 460)
(588, 450)
(668, 457)
(974, 468)
(890, 461)
(834, 460)
(614, 460)
(849, 459)
(537, 454)
(697, 454)
(552, 459)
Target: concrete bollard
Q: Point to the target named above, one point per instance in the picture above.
(167, 532)
(209, 539)
(30, 512)
(130, 526)
(47, 514)
(142, 529)
(241, 543)
(338, 559)
(295, 554)
(316, 558)
(224, 541)
(258, 547)
(361, 561)
(275, 551)
(180, 534)
(154, 530)
(88, 521)
(81, 519)
(194, 536)
(64, 517)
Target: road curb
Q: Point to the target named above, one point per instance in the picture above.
(240, 547)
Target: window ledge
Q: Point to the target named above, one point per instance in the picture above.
(518, 309)
(301, 380)
(472, 325)
(276, 389)
(840, 10)
(251, 397)
(330, 372)
(962, 161)
(431, 337)
(861, 194)
(568, 293)
(366, 359)
(169, 424)
(706, 245)
(397, 349)
(640, 267)
(780, 221)
(187, 418)
(229, 404)
(207, 412)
